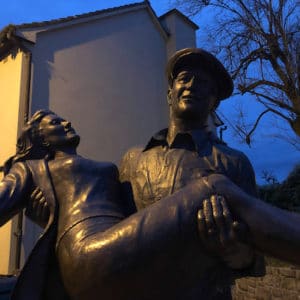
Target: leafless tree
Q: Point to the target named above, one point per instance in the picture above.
(269, 177)
(259, 42)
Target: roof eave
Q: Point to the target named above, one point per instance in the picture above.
(5, 49)
(30, 30)
(180, 14)
(10, 41)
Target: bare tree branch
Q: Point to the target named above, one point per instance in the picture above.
(279, 104)
(257, 121)
(243, 89)
(259, 43)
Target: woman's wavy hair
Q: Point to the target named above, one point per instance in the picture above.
(30, 144)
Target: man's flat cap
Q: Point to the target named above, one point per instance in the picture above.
(196, 57)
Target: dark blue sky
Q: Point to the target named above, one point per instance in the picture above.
(266, 153)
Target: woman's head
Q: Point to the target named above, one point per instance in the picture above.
(56, 133)
(30, 144)
(41, 135)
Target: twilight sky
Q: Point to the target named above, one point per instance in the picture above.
(266, 153)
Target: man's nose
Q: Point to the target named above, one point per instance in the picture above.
(67, 124)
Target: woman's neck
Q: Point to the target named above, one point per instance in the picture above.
(60, 153)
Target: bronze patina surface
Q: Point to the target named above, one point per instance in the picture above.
(189, 150)
(190, 190)
(90, 248)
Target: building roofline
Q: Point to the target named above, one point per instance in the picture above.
(16, 32)
(9, 42)
(78, 17)
(30, 30)
(180, 14)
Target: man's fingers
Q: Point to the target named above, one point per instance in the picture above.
(226, 212)
(201, 225)
(219, 218)
(228, 220)
(38, 204)
(241, 231)
(39, 197)
(210, 241)
(209, 218)
(35, 192)
(45, 212)
(36, 197)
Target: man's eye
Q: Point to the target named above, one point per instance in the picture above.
(55, 122)
(182, 79)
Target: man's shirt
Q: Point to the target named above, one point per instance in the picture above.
(159, 169)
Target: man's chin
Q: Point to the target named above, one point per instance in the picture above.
(192, 114)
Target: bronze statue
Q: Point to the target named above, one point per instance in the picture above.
(96, 246)
(90, 250)
(89, 247)
(272, 230)
(189, 150)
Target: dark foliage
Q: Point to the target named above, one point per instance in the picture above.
(285, 195)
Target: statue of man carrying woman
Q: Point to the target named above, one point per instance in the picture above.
(92, 248)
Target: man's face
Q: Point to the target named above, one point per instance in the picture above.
(57, 131)
(193, 94)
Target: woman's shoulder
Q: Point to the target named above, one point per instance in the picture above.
(104, 166)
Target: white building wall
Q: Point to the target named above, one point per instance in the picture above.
(10, 87)
(108, 78)
(182, 34)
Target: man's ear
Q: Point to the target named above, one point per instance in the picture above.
(169, 96)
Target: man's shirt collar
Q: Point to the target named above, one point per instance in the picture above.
(197, 138)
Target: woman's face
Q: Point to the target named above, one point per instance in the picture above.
(56, 131)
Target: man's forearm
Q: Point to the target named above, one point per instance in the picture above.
(272, 230)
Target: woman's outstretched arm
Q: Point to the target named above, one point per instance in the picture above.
(15, 190)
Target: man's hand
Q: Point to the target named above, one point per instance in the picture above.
(38, 209)
(221, 235)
